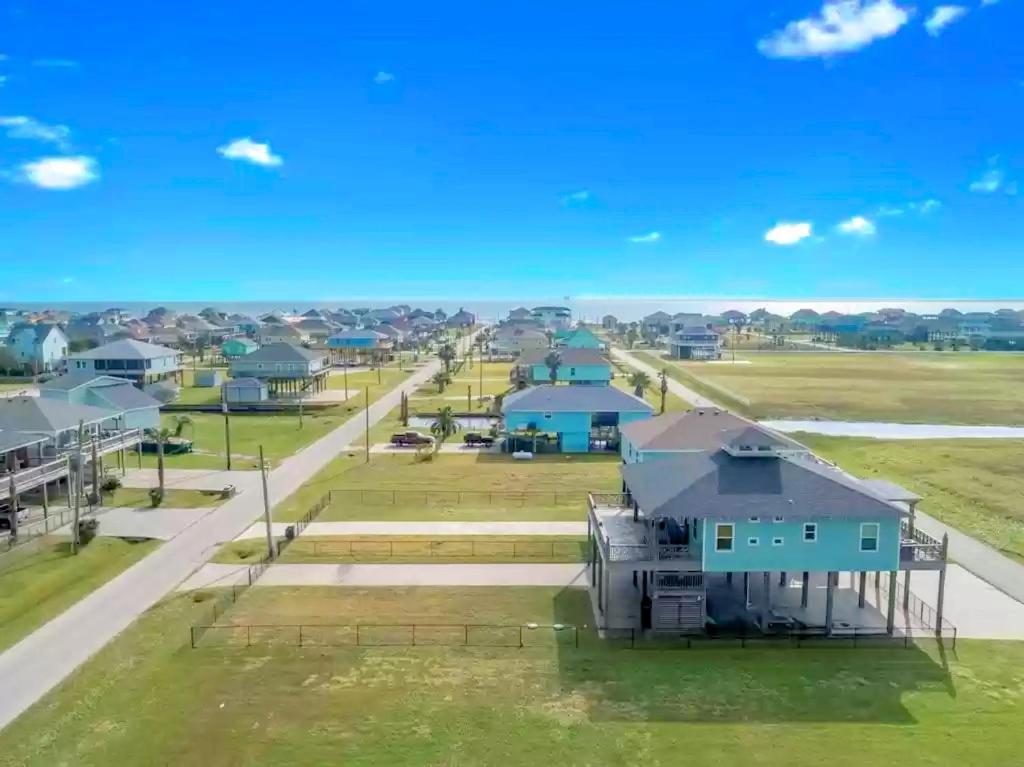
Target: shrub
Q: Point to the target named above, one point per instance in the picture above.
(156, 496)
(110, 484)
(87, 530)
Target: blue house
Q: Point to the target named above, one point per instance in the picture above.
(571, 419)
(579, 338)
(575, 366)
(363, 342)
(711, 537)
(38, 347)
(702, 428)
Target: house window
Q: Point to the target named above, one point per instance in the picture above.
(723, 537)
(754, 520)
(753, 541)
(869, 536)
(811, 532)
(778, 540)
(547, 416)
(572, 371)
(779, 520)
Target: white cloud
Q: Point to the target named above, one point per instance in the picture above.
(942, 17)
(991, 181)
(22, 127)
(785, 233)
(889, 211)
(646, 238)
(67, 280)
(858, 226)
(55, 63)
(577, 198)
(60, 172)
(989, 2)
(842, 27)
(247, 150)
(383, 77)
(926, 206)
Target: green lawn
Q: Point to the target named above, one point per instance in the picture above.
(973, 485)
(399, 487)
(913, 387)
(138, 497)
(41, 580)
(148, 698)
(413, 549)
(652, 395)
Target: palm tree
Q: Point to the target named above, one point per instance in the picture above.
(631, 336)
(180, 422)
(161, 436)
(444, 426)
(640, 383)
(447, 354)
(553, 361)
(663, 375)
(442, 379)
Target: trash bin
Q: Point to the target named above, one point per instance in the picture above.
(289, 532)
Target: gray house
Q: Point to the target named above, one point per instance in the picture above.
(696, 342)
(136, 360)
(285, 368)
(245, 391)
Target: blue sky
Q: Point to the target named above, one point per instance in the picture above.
(315, 150)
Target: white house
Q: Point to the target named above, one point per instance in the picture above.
(39, 347)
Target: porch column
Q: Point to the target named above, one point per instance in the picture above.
(728, 579)
(940, 602)
(67, 481)
(890, 620)
(746, 590)
(766, 598)
(782, 578)
(46, 501)
(906, 590)
(830, 600)
(805, 582)
(863, 588)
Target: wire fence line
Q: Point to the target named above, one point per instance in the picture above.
(571, 550)
(917, 608)
(375, 496)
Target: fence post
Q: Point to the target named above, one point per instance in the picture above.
(300, 635)
(357, 635)
(192, 635)
(248, 635)
(576, 633)
(465, 626)
(520, 636)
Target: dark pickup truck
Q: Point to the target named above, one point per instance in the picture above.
(472, 438)
(411, 439)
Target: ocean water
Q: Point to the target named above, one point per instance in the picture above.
(626, 308)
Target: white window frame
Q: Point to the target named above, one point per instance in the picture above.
(732, 537)
(813, 528)
(877, 536)
(754, 520)
(753, 541)
(778, 540)
(778, 520)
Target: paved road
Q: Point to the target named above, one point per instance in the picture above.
(880, 430)
(689, 395)
(437, 529)
(43, 659)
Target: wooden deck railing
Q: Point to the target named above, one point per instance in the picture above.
(916, 546)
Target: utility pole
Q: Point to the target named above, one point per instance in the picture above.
(480, 391)
(227, 429)
(367, 410)
(300, 409)
(469, 397)
(78, 487)
(266, 506)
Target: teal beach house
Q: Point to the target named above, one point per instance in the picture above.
(570, 419)
(586, 367)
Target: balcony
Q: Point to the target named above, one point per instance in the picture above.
(919, 551)
(33, 477)
(623, 538)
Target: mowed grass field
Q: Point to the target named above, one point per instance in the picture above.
(974, 485)
(41, 580)
(912, 387)
(147, 698)
(455, 487)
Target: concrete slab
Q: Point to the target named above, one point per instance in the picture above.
(161, 524)
(213, 575)
(565, 575)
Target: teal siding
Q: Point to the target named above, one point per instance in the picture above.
(599, 374)
(837, 547)
(574, 428)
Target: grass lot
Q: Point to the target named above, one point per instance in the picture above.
(138, 497)
(427, 399)
(413, 549)
(430, 490)
(916, 387)
(41, 580)
(652, 396)
(147, 693)
(973, 485)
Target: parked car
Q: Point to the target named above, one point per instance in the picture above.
(475, 438)
(411, 439)
(5, 516)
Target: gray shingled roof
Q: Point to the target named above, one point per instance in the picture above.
(574, 399)
(568, 356)
(72, 381)
(282, 352)
(244, 383)
(126, 349)
(45, 415)
(124, 396)
(12, 440)
(717, 485)
(697, 429)
(364, 333)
